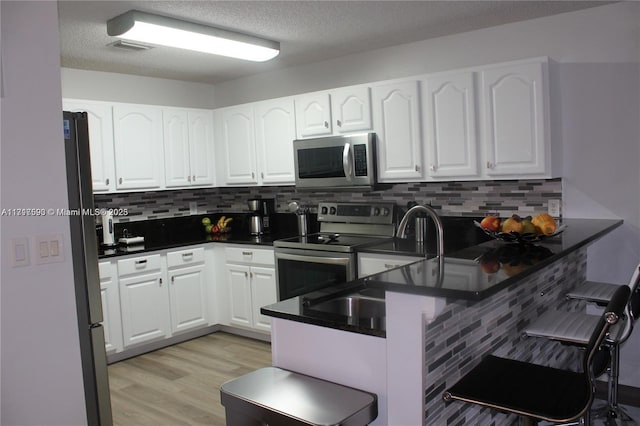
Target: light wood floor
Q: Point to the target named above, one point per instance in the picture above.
(180, 385)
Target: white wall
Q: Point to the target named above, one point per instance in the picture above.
(595, 93)
(41, 378)
(108, 86)
(602, 34)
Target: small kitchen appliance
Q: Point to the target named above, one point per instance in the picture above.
(310, 262)
(267, 210)
(108, 233)
(255, 221)
(337, 162)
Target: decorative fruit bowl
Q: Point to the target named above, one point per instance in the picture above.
(518, 230)
(221, 227)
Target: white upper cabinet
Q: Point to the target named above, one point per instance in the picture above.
(275, 131)
(100, 141)
(138, 142)
(351, 108)
(450, 125)
(515, 119)
(396, 122)
(237, 137)
(201, 147)
(188, 147)
(313, 115)
(340, 111)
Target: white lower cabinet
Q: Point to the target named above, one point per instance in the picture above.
(144, 297)
(110, 296)
(251, 278)
(373, 263)
(187, 289)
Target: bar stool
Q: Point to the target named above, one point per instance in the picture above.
(574, 328)
(538, 392)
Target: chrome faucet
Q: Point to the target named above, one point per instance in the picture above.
(402, 227)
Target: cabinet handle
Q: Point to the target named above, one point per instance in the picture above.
(251, 274)
(433, 167)
(246, 274)
(189, 178)
(339, 123)
(120, 180)
(253, 175)
(185, 255)
(326, 124)
(160, 281)
(489, 165)
(106, 182)
(194, 178)
(141, 262)
(417, 168)
(262, 175)
(247, 253)
(173, 278)
(390, 266)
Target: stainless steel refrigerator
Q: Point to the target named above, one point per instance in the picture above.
(84, 249)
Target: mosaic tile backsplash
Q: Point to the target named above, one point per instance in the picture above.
(478, 198)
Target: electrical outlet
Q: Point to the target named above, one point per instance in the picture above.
(193, 207)
(553, 208)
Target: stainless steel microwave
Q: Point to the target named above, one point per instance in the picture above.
(341, 162)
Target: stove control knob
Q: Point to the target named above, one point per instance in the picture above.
(324, 210)
(332, 210)
(385, 211)
(376, 211)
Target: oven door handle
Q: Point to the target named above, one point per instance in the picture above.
(314, 259)
(347, 161)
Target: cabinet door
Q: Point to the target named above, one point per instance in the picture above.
(396, 121)
(145, 308)
(275, 132)
(449, 102)
(515, 127)
(138, 146)
(177, 171)
(188, 298)
(110, 309)
(263, 292)
(239, 295)
(100, 141)
(313, 115)
(201, 147)
(351, 109)
(238, 138)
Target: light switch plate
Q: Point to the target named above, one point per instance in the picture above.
(19, 252)
(553, 208)
(47, 248)
(193, 207)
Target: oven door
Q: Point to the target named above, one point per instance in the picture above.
(302, 271)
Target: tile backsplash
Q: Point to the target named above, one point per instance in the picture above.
(474, 198)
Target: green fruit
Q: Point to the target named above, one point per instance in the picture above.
(207, 228)
(528, 227)
(206, 221)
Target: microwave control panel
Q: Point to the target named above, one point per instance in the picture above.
(360, 160)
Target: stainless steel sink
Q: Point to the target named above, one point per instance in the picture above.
(354, 305)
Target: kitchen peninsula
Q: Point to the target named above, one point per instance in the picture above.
(441, 316)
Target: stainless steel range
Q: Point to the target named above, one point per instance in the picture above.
(311, 262)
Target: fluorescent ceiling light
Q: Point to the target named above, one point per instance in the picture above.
(161, 30)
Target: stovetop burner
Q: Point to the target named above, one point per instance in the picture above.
(330, 242)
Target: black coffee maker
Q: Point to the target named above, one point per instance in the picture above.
(267, 210)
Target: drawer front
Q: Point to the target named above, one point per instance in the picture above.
(105, 270)
(192, 256)
(138, 265)
(250, 254)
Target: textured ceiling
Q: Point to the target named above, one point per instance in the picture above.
(308, 31)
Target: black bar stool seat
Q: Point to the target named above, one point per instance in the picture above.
(539, 392)
(594, 292)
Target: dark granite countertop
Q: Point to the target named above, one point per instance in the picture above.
(160, 234)
(469, 274)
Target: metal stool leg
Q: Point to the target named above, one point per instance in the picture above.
(611, 413)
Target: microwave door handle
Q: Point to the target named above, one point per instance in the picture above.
(347, 161)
